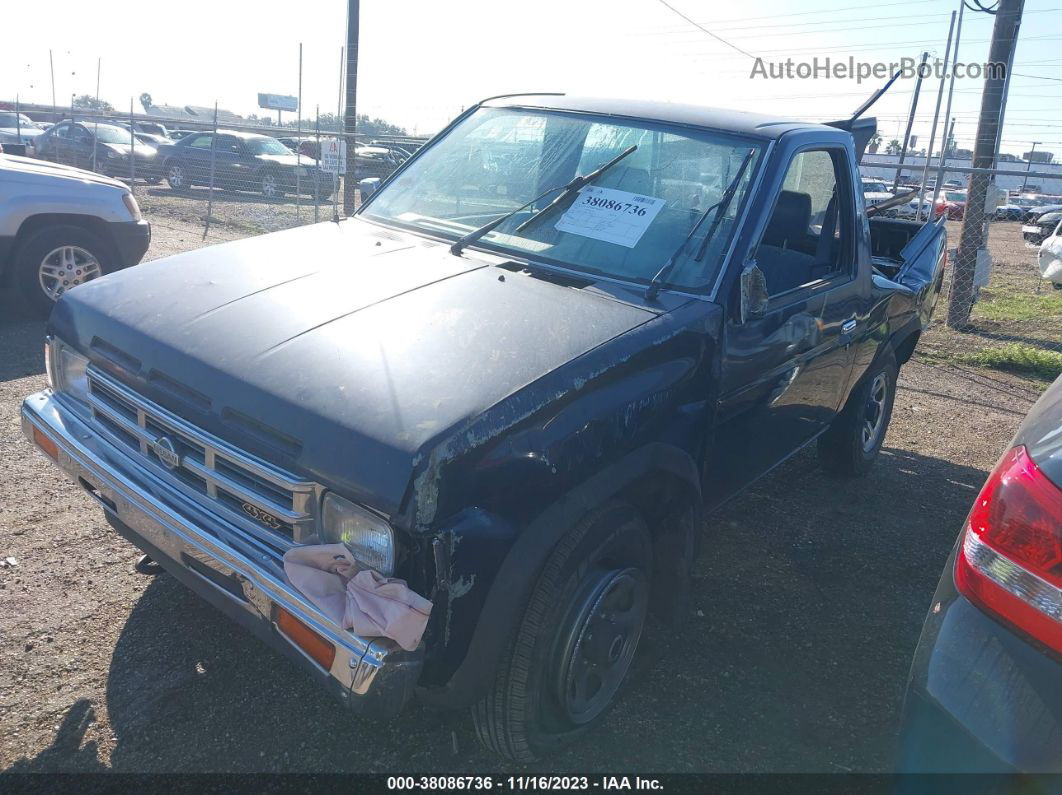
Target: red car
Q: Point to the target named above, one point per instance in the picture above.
(951, 204)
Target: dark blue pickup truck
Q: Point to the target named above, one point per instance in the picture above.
(517, 379)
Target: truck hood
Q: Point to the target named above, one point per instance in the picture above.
(340, 351)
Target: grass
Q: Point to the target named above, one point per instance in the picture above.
(1021, 359)
(1006, 305)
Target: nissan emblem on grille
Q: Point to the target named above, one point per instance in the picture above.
(166, 452)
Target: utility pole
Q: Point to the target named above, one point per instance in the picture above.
(55, 107)
(350, 115)
(975, 220)
(1028, 168)
(910, 122)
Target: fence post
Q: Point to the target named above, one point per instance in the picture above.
(339, 115)
(132, 146)
(350, 118)
(316, 196)
(298, 136)
(213, 150)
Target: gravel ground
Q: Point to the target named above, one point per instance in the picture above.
(809, 599)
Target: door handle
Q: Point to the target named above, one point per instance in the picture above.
(848, 326)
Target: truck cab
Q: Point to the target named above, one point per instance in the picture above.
(519, 378)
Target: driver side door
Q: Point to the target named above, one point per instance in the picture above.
(785, 371)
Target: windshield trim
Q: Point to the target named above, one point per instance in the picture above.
(706, 291)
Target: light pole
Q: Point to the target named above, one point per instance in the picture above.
(1028, 166)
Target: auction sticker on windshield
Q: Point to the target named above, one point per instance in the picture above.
(614, 216)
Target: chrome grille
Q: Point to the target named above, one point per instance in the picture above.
(245, 489)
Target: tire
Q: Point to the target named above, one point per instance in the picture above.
(177, 175)
(852, 443)
(581, 625)
(152, 180)
(55, 259)
(269, 185)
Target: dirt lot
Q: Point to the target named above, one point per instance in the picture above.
(809, 599)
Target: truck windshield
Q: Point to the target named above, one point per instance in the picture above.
(624, 225)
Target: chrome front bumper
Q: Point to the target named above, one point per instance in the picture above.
(372, 675)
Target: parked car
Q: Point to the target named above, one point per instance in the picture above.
(516, 391)
(875, 191)
(924, 208)
(73, 142)
(1032, 215)
(151, 128)
(1049, 258)
(375, 161)
(954, 184)
(983, 693)
(1040, 228)
(952, 204)
(19, 133)
(241, 161)
(1015, 208)
(61, 227)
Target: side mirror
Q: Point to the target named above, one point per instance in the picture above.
(753, 293)
(368, 186)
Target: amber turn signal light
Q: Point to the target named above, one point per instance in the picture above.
(46, 444)
(319, 650)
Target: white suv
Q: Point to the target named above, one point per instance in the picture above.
(61, 226)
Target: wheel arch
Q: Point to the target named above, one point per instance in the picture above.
(904, 342)
(660, 481)
(35, 223)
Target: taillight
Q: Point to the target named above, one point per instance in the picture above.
(1010, 563)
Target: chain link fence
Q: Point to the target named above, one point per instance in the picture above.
(1001, 302)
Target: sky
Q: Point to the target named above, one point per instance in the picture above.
(422, 61)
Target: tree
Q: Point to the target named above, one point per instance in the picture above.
(894, 146)
(146, 101)
(89, 102)
(875, 143)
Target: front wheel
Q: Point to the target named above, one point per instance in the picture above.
(56, 259)
(270, 185)
(852, 443)
(575, 643)
(177, 176)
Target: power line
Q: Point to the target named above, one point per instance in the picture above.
(1037, 77)
(832, 10)
(705, 30)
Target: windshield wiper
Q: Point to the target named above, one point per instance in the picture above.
(720, 207)
(574, 185)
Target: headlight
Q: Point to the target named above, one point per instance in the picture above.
(368, 537)
(110, 154)
(68, 371)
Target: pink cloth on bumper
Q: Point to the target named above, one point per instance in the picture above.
(357, 599)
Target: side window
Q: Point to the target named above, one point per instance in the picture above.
(62, 131)
(200, 141)
(226, 143)
(808, 237)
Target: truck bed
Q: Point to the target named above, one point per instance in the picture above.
(895, 242)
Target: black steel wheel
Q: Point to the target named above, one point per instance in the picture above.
(576, 642)
(853, 441)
